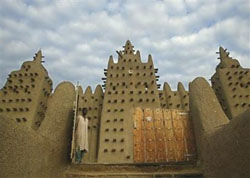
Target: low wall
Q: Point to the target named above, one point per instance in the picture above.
(58, 122)
(24, 153)
(231, 146)
(223, 145)
(44, 153)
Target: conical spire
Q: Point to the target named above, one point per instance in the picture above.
(150, 60)
(38, 56)
(128, 48)
(138, 56)
(88, 91)
(166, 87)
(111, 61)
(223, 54)
(180, 87)
(98, 90)
(226, 61)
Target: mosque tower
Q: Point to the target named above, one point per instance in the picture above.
(231, 84)
(25, 94)
(129, 83)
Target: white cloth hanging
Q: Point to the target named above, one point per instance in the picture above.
(82, 133)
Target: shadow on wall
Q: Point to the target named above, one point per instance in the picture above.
(43, 153)
(223, 145)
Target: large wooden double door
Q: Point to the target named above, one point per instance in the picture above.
(163, 135)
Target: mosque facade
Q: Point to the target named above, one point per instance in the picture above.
(132, 121)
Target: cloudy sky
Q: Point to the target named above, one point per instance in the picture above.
(78, 36)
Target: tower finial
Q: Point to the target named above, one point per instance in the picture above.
(223, 54)
(128, 48)
(38, 56)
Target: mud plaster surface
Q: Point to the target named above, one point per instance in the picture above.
(224, 147)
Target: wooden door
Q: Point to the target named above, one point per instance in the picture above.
(162, 135)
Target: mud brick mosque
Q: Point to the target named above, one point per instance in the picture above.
(136, 129)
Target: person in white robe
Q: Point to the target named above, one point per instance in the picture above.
(81, 135)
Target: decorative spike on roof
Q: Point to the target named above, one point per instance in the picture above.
(139, 55)
(223, 54)
(88, 91)
(150, 60)
(98, 90)
(38, 56)
(226, 61)
(111, 61)
(166, 87)
(128, 48)
(180, 87)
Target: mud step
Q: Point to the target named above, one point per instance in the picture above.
(135, 175)
(133, 171)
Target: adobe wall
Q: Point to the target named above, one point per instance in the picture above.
(40, 146)
(223, 146)
(59, 115)
(231, 149)
(129, 83)
(174, 99)
(58, 123)
(25, 152)
(93, 102)
(231, 85)
(25, 93)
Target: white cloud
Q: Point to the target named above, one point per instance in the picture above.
(77, 36)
